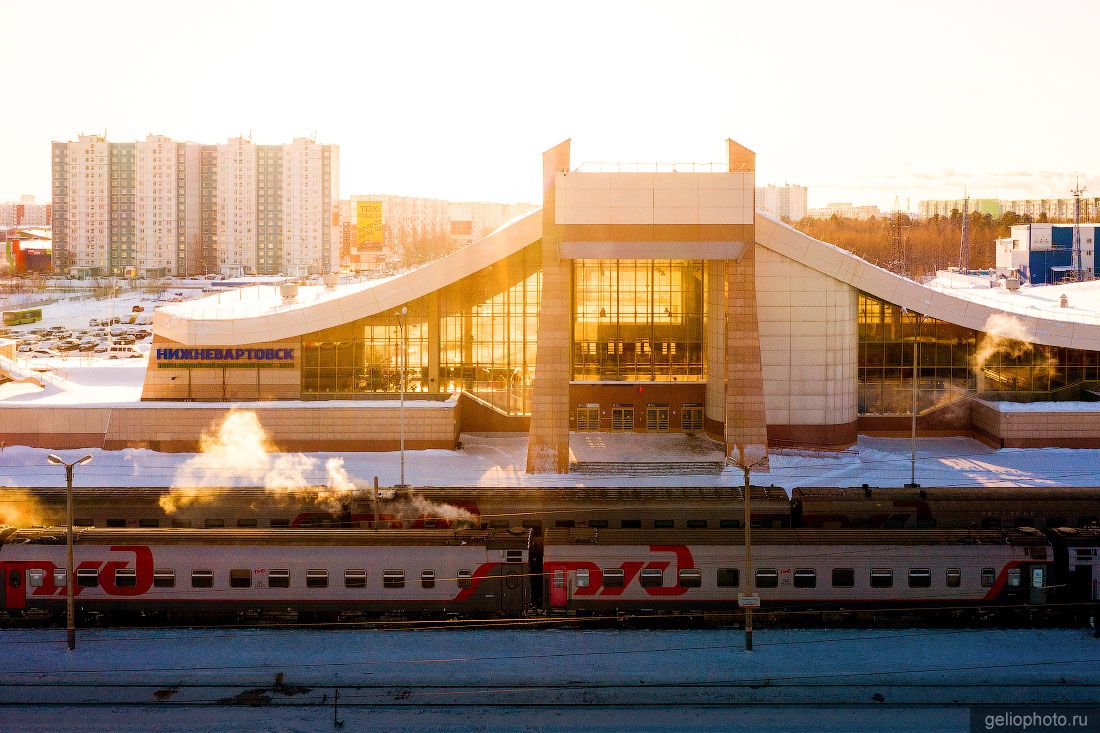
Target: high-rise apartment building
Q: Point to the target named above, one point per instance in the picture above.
(787, 201)
(25, 213)
(161, 207)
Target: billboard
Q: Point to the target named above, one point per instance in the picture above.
(368, 222)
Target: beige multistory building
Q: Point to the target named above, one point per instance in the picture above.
(163, 207)
(24, 212)
(787, 201)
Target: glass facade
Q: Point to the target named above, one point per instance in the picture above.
(953, 361)
(639, 320)
(477, 335)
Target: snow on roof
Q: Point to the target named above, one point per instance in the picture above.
(1039, 301)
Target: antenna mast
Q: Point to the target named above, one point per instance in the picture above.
(1078, 269)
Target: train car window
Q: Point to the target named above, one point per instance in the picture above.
(664, 523)
(565, 523)
(278, 578)
(582, 578)
(202, 578)
(513, 556)
(987, 577)
(630, 524)
(116, 522)
(83, 522)
(691, 578)
(13, 578)
(125, 578)
(729, 577)
(181, 523)
(613, 578)
(805, 578)
(355, 578)
(882, 578)
(247, 522)
(87, 578)
(1013, 577)
(279, 523)
(148, 523)
(920, 578)
(393, 578)
(1037, 579)
(214, 523)
(464, 579)
(756, 523)
(696, 524)
(954, 577)
(844, 577)
(598, 523)
(767, 578)
(926, 523)
(427, 578)
(241, 578)
(651, 578)
(316, 578)
(729, 524)
(35, 578)
(59, 578)
(164, 578)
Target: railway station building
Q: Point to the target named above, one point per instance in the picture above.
(644, 299)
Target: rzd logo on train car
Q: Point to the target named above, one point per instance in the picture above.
(631, 570)
(142, 565)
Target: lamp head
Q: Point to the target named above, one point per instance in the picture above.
(85, 459)
(55, 460)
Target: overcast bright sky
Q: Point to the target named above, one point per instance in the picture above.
(860, 101)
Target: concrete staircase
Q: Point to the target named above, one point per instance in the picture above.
(647, 468)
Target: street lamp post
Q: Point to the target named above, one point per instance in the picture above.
(746, 600)
(918, 320)
(403, 325)
(70, 603)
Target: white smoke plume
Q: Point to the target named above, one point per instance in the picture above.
(239, 452)
(19, 509)
(1007, 335)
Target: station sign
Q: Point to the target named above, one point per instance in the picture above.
(752, 601)
(225, 358)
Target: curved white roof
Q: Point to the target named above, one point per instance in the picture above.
(253, 315)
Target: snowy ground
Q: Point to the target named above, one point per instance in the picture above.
(531, 679)
(496, 460)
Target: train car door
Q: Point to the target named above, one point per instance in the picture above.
(15, 582)
(559, 590)
(511, 588)
(1039, 590)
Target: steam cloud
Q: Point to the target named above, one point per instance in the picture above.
(19, 509)
(240, 451)
(1005, 334)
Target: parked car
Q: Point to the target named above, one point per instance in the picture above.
(86, 346)
(41, 353)
(122, 352)
(138, 309)
(93, 322)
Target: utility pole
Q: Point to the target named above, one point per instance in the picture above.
(1078, 265)
(964, 243)
(918, 320)
(403, 326)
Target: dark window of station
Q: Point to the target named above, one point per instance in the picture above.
(214, 523)
(664, 523)
(1023, 522)
(115, 522)
(805, 578)
(767, 578)
(1054, 522)
(651, 578)
(565, 523)
(882, 578)
(427, 578)
(87, 578)
(278, 578)
(630, 524)
(202, 578)
(691, 578)
(844, 577)
(613, 578)
(920, 578)
(164, 578)
(279, 523)
(729, 577)
(240, 578)
(953, 577)
(355, 578)
(598, 523)
(317, 578)
(729, 524)
(247, 522)
(465, 579)
(393, 578)
(125, 578)
(696, 524)
(147, 523)
(991, 522)
(988, 575)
